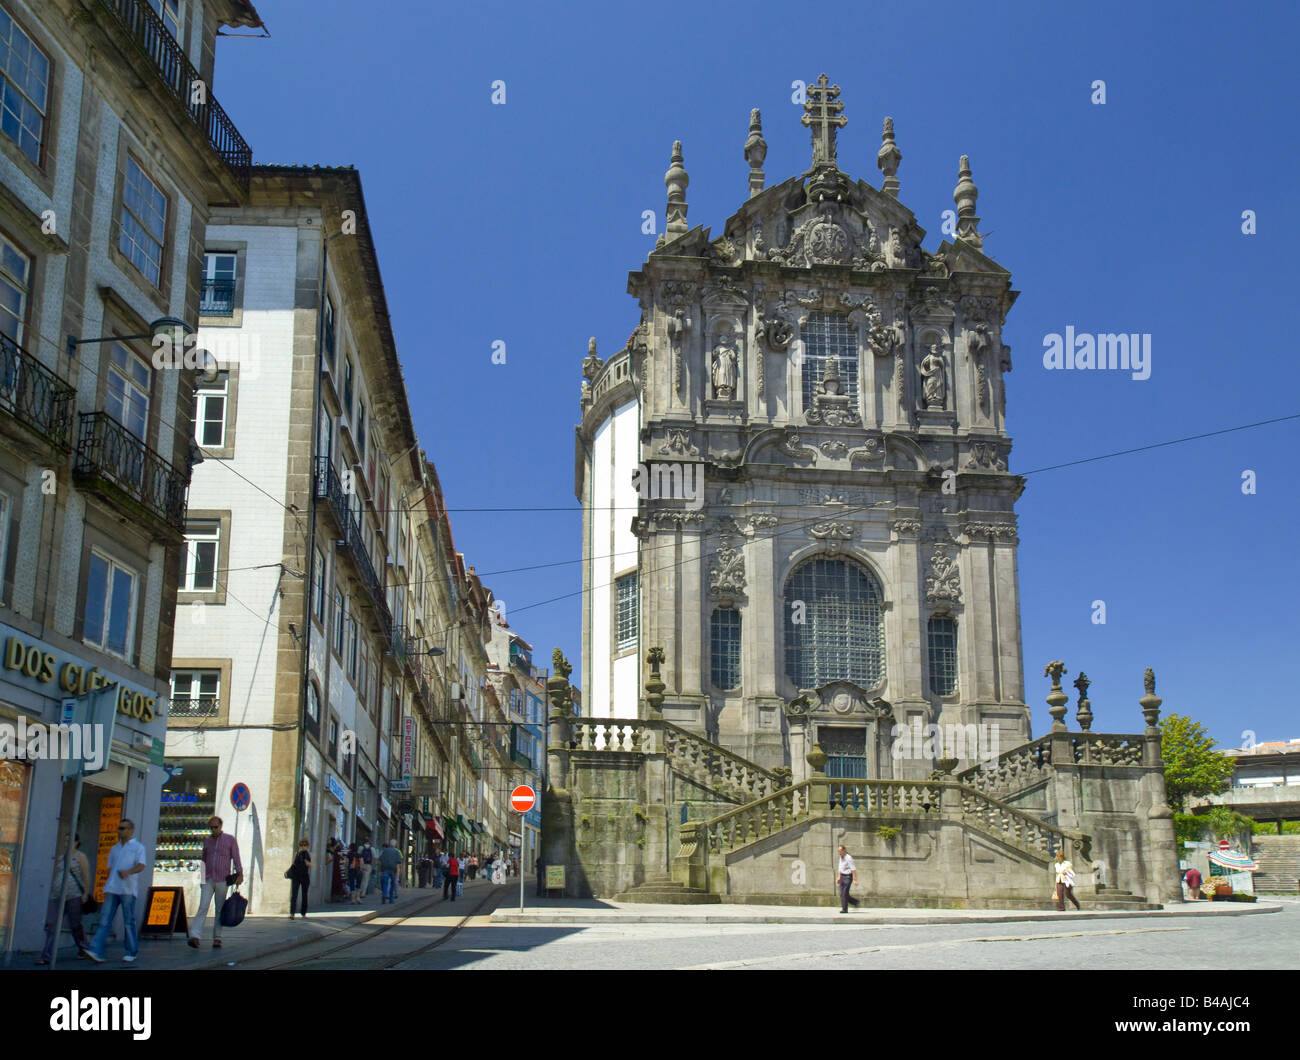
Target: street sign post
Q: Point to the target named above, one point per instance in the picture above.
(522, 799)
(240, 797)
(1224, 844)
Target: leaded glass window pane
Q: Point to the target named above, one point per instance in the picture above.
(628, 612)
(724, 642)
(834, 625)
(827, 335)
(942, 645)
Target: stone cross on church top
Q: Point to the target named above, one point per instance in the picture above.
(822, 109)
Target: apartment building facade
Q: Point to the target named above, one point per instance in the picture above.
(113, 150)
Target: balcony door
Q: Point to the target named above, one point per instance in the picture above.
(126, 399)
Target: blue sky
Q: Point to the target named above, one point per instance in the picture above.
(520, 223)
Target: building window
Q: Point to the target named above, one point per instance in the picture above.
(218, 296)
(169, 12)
(318, 588)
(143, 223)
(5, 507)
(24, 88)
(628, 612)
(334, 740)
(363, 671)
(195, 694)
(352, 645)
(210, 413)
(127, 396)
(828, 336)
(361, 431)
(329, 340)
(15, 269)
(347, 386)
(202, 545)
(942, 644)
(724, 641)
(834, 625)
(110, 606)
(325, 435)
(313, 705)
(339, 613)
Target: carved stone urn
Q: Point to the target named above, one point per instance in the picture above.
(816, 758)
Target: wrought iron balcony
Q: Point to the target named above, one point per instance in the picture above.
(35, 396)
(217, 299)
(115, 463)
(202, 707)
(400, 645)
(150, 35)
(330, 489)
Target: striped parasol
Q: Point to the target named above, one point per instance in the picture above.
(1230, 859)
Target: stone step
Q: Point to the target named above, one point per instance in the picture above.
(651, 896)
(1087, 902)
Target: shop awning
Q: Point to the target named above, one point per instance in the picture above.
(434, 829)
(1230, 859)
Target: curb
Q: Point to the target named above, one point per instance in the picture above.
(579, 919)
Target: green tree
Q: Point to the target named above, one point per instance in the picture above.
(1192, 766)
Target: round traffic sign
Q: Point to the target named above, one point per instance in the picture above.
(1224, 844)
(240, 796)
(522, 799)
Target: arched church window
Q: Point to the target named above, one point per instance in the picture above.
(834, 625)
(724, 647)
(942, 649)
(830, 357)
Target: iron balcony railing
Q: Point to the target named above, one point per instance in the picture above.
(397, 638)
(330, 490)
(35, 396)
(203, 707)
(108, 455)
(217, 299)
(846, 767)
(148, 33)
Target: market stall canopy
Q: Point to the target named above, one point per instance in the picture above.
(1230, 859)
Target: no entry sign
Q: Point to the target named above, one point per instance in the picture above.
(1224, 844)
(522, 799)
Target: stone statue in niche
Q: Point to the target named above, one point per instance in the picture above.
(725, 361)
(934, 389)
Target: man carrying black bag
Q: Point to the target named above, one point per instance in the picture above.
(220, 851)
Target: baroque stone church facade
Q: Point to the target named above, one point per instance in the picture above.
(795, 476)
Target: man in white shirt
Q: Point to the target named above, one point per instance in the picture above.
(848, 877)
(125, 863)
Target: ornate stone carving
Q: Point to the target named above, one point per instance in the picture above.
(831, 531)
(883, 340)
(679, 326)
(759, 522)
(943, 581)
(871, 451)
(987, 455)
(990, 530)
(724, 368)
(818, 241)
(777, 331)
(727, 575)
(791, 445)
(934, 385)
(679, 519)
(678, 443)
(833, 449)
(906, 526)
(591, 364)
(725, 251)
(831, 406)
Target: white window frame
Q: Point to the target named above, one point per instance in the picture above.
(219, 390)
(113, 565)
(130, 389)
(194, 679)
(201, 534)
(210, 270)
(21, 285)
(169, 11)
(142, 236)
(319, 608)
(627, 640)
(7, 76)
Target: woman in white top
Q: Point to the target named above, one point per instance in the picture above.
(1064, 887)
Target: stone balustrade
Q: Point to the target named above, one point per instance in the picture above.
(757, 819)
(1107, 749)
(892, 798)
(1014, 826)
(614, 734)
(1020, 768)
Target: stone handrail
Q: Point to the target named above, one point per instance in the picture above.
(893, 798)
(734, 776)
(1107, 749)
(687, 749)
(1020, 768)
(1016, 827)
(756, 819)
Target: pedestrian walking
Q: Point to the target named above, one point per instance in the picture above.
(125, 863)
(453, 878)
(299, 876)
(354, 874)
(339, 870)
(220, 852)
(1064, 887)
(848, 877)
(390, 859)
(78, 891)
(367, 867)
(1193, 881)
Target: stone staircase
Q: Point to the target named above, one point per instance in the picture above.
(1279, 863)
(662, 890)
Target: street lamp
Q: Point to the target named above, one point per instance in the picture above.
(165, 330)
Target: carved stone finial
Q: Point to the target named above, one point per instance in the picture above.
(1056, 699)
(964, 196)
(888, 158)
(654, 687)
(1084, 712)
(755, 152)
(562, 665)
(822, 112)
(817, 759)
(676, 181)
(591, 364)
(1150, 703)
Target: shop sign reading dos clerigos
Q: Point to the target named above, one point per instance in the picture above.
(57, 675)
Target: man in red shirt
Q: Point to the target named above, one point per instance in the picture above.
(1193, 881)
(220, 851)
(453, 878)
